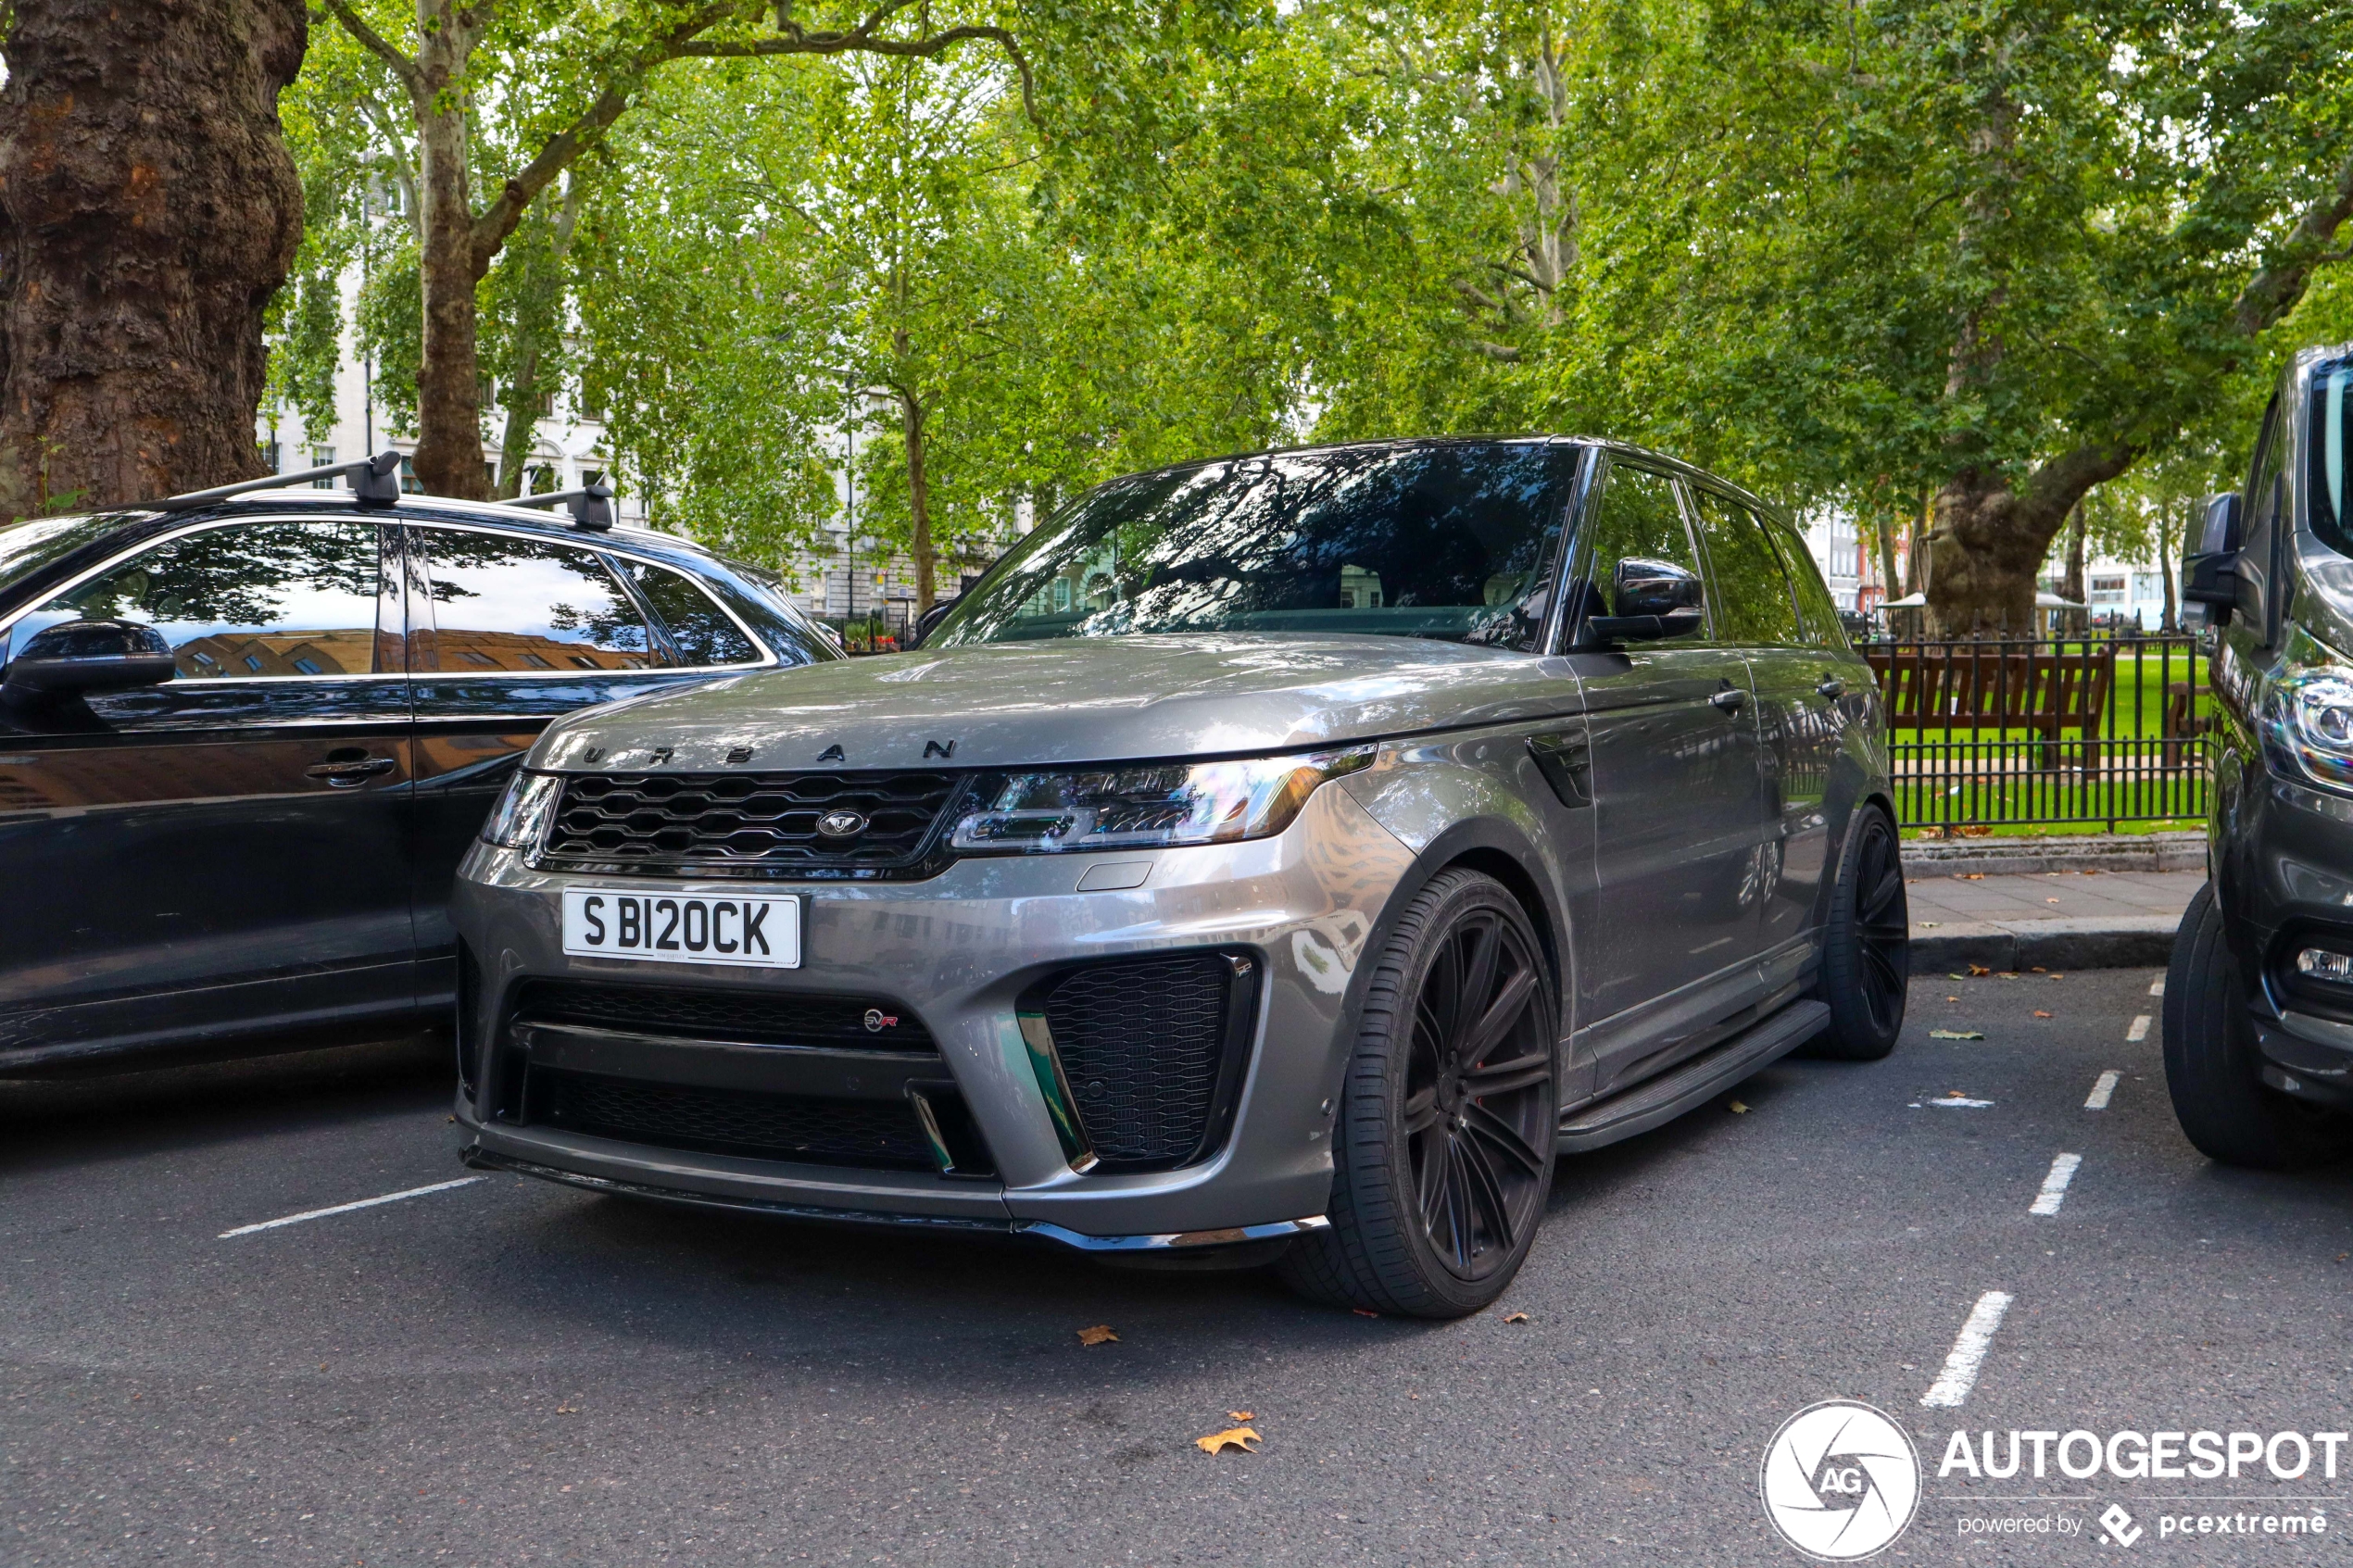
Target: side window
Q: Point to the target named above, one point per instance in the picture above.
(1753, 602)
(1816, 611)
(1636, 527)
(699, 630)
(253, 600)
(503, 604)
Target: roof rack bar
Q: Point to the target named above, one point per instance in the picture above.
(374, 481)
(591, 504)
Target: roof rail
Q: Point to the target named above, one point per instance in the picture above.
(375, 481)
(591, 504)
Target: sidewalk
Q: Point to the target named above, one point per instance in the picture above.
(2056, 920)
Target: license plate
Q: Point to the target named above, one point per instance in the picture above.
(683, 927)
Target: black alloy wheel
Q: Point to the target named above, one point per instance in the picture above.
(1443, 1151)
(1866, 949)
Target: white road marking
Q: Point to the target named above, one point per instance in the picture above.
(347, 1208)
(2157, 987)
(1976, 1337)
(2140, 1030)
(2055, 1184)
(2101, 1090)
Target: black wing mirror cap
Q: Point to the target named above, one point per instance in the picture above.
(931, 618)
(1642, 628)
(87, 656)
(2209, 570)
(1649, 599)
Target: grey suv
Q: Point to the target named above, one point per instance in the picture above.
(1283, 855)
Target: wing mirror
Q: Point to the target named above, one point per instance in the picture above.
(1649, 599)
(86, 656)
(2209, 566)
(931, 618)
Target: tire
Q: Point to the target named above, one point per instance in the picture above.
(1442, 1147)
(1866, 946)
(2212, 1068)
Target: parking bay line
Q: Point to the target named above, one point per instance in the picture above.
(2140, 1030)
(2101, 1090)
(2055, 1184)
(1969, 1345)
(347, 1207)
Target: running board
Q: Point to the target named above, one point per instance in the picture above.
(1659, 1101)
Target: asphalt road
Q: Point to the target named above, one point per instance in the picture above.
(512, 1373)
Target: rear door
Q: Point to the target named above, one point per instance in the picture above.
(1671, 948)
(508, 632)
(1797, 734)
(226, 851)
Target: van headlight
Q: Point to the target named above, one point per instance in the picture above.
(519, 819)
(1154, 807)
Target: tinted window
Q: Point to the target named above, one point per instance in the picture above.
(1753, 603)
(1453, 541)
(270, 598)
(699, 630)
(2332, 407)
(1638, 525)
(501, 602)
(1816, 611)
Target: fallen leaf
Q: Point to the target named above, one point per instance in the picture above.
(1099, 1335)
(1977, 969)
(1974, 876)
(2008, 975)
(1956, 974)
(1956, 1035)
(1737, 1109)
(2047, 901)
(2040, 970)
(1951, 998)
(2058, 976)
(2040, 1014)
(1239, 1415)
(1364, 1313)
(1515, 1317)
(1237, 1437)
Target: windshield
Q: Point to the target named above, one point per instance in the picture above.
(38, 541)
(1454, 541)
(2330, 437)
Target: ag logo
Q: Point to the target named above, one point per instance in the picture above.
(1840, 1481)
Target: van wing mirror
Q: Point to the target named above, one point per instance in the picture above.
(86, 656)
(2210, 568)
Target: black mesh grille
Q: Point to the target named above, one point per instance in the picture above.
(827, 1132)
(754, 1017)
(761, 821)
(1142, 1045)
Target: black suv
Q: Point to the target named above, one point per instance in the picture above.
(244, 739)
(2259, 1002)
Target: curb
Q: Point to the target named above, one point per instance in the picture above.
(2126, 942)
(2126, 852)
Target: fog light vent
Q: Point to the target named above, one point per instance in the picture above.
(2319, 963)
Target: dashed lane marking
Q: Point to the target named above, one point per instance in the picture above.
(2157, 987)
(347, 1207)
(1952, 1386)
(2140, 1030)
(2054, 1191)
(2101, 1090)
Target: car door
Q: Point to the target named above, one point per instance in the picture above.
(1797, 733)
(1671, 948)
(227, 851)
(506, 632)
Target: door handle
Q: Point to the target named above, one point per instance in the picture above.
(1831, 686)
(349, 775)
(1729, 699)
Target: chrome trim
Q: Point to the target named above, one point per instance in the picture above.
(1053, 1087)
(1231, 1235)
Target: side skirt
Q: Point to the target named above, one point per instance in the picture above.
(1659, 1101)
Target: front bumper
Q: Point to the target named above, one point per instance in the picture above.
(956, 951)
(2287, 884)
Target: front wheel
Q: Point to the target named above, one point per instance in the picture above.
(1442, 1148)
(2211, 1069)
(1867, 953)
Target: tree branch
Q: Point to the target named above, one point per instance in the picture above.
(859, 40)
(2277, 285)
(373, 42)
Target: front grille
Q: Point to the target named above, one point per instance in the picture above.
(766, 1017)
(754, 821)
(1144, 1046)
(761, 1126)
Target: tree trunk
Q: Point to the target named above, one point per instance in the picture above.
(148, 210)
(1992, 537)
(449, 458)
(918, 503)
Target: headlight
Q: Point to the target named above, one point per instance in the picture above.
(2310, 716)
(1150, 808)
(519, 819)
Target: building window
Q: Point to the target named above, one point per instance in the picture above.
(320, 458)
(272, 455)
(253, 664)
(2108, 590)
(307, 666)
(409, 483)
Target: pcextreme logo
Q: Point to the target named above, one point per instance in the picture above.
(1840, 1481)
